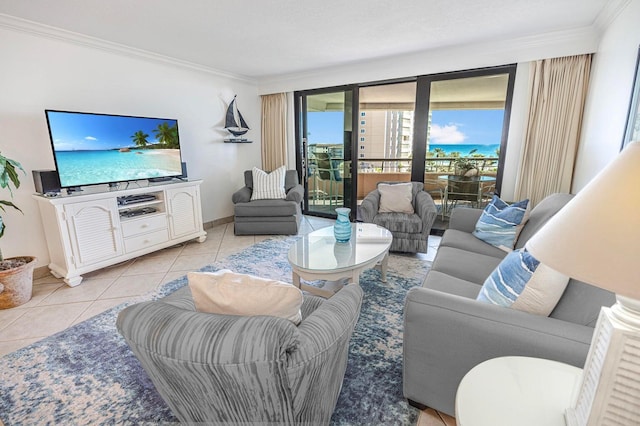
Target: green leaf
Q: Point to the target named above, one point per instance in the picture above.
(9, 204)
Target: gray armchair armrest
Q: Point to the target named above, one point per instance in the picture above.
(369, 206)
(464, 219)
(296, 194)
(446, 335)
(426, 209)
(243, 195)
(322, 353)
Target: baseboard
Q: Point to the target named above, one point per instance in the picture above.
(221, 221)
(41, 272)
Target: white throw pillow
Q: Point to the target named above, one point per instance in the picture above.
(395, 198)
(229, 293)
(521, 282)
(268, 186)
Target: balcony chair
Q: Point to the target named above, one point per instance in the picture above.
(410, 230)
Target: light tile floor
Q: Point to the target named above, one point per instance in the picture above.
(56, 306)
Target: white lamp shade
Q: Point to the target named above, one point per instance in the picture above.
(595, 238)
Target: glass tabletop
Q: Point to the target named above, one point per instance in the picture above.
(457, 178)
(319, 251)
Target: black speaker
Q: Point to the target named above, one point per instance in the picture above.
(46, 181)
(184, 171)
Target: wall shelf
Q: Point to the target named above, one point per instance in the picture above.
(237, 141)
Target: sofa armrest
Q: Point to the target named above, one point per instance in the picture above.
(242, 195)
(464, 219)
(447, 335)
(369, 206)
(296, 193)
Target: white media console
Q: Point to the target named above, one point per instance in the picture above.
(98, 228)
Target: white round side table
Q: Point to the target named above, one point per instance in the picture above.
(515, 390)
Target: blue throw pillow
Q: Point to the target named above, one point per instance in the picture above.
(521, 282)
(501, 223)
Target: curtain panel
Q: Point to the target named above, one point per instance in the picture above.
(558, 89)
(274, 131)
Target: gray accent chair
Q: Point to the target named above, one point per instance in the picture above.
(268, 217)
(225, 369)
(447, 332)
(410, 231)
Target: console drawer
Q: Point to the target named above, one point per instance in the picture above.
(145, 240)
(143, 224)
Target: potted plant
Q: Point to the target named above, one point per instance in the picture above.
(16, 274)
(466, 167)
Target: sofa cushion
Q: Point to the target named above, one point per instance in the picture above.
(227, 293)
(437, 280)
(466, 241)
(266, 208)
(521, 282)
(396, 198)
(501, 223)
(464, 264)
(399, 222)
(268, 186)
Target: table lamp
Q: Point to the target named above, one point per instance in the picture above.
(595, 238)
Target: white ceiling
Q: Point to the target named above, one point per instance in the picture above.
(263, 38)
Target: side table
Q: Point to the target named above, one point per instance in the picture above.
(516, 390)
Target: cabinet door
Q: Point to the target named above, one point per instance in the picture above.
(94, 231)
(183, 205)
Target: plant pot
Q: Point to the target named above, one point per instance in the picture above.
(16, 283)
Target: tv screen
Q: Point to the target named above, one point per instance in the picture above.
(91, 149)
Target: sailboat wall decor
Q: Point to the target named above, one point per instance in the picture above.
(235, 123)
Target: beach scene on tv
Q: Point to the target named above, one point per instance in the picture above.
(94, 149)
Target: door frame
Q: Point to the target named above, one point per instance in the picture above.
(350, 152)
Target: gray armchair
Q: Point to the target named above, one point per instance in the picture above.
(238, 370)
(268, 217)
(410, 231)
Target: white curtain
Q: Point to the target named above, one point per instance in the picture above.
(274, 131)
(558, 89)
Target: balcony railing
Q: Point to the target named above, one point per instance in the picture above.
(432, 165)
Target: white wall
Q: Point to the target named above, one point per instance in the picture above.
(40, 72)
(610, 91)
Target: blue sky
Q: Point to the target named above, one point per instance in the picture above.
(482, 127)
(75, 131)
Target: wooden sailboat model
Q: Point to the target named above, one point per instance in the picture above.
(234, 123)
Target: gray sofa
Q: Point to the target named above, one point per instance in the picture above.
(268, 217)
(226, 369)
(447, 332)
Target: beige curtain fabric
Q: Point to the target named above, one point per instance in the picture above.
(558, 88)
(274, 131)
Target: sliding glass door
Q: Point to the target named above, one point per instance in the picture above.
(324, 149)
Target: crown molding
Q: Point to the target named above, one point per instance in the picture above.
(493, 52)
(609, 13)
(45, 31)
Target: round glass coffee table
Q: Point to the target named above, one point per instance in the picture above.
(317, 256)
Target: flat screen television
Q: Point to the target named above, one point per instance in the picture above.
(92, 149)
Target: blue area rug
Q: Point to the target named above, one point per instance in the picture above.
(87, 374)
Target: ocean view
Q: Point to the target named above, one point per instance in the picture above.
(464, 149)
(78, 168)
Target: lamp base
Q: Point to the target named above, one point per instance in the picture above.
(610, 388)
